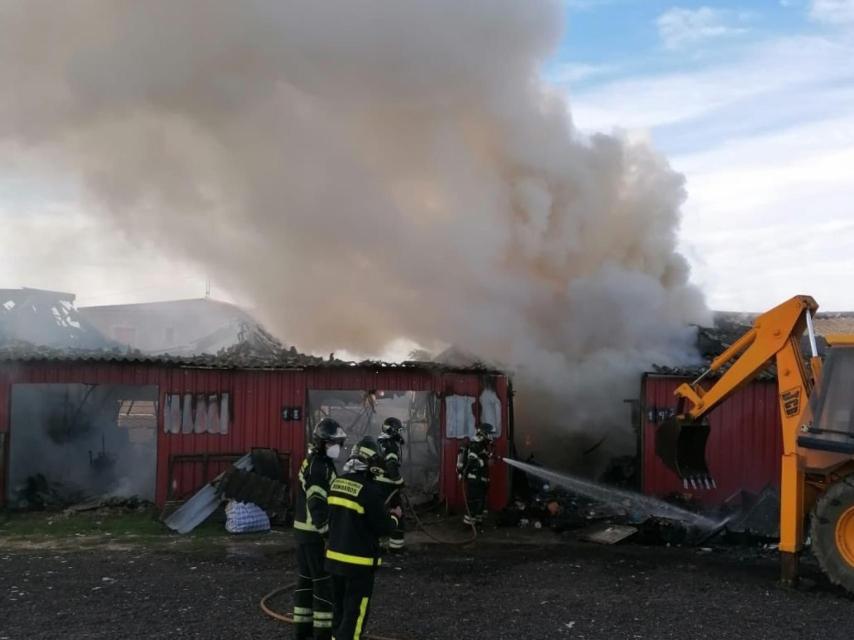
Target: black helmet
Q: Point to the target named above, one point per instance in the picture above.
(485, 431)
(328, 432)
(367, 451)
(392, 427)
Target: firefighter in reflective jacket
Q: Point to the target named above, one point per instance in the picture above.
(390, 442)
(473, 470)
(313, 596)
(358, 518)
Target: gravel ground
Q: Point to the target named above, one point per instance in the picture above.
(500, 590)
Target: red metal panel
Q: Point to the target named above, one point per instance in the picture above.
(499, 492)
(744, 447)
(257, 398)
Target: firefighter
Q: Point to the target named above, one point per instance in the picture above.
(313, 596)
(358, 518)
(473, 469)
(390, 445)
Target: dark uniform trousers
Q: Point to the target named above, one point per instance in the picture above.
(352, 605)
(397, 539)
(473, 466)
(313, 597)
(393, 484)
(476, 490)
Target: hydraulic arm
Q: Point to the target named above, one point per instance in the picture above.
(774, 339)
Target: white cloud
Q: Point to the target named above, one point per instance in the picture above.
(586, 5)
(769, 217)
(572, 72)
(766, 141)
(795, 69)
(679, 27)
(833, 11)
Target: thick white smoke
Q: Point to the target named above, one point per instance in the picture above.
(368, 170)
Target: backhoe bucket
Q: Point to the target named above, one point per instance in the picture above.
(681, 445)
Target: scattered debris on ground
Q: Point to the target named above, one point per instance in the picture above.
(745, 518)
(38, 493)
(254, 479)
(608, 533)
(490, 590)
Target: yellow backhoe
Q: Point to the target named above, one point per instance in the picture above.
(817, 419)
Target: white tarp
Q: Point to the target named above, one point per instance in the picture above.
(459, 417)
(490, 410)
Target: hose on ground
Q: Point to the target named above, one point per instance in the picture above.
(423, 527)
(284, 617)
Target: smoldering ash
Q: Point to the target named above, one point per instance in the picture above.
(365, 171)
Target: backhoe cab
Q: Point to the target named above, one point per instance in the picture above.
(832, 405)
(817, 421)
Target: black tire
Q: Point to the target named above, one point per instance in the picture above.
(835, 502)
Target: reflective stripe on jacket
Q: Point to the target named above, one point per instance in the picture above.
(358, 518)
(311, 512)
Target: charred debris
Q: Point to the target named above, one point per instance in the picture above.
(745, 518)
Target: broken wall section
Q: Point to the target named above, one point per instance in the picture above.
(74, 442)
(362, 413)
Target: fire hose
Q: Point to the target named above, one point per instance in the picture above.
(284, 617)
(435, 538)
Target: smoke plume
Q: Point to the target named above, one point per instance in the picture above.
(363, 171)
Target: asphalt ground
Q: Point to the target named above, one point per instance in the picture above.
(504, 587)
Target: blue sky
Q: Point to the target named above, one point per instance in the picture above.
(754, 103)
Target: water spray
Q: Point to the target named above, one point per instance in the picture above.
(646, 505)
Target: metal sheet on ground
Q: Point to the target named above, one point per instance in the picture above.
(199, 508)
(608, 534)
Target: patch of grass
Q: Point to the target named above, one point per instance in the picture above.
(59, 524)
(108, 525)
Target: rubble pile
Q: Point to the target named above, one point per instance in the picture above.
(611, 515)
(38, 493)
(111, 506)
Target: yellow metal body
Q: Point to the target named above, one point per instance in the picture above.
(775, 337)
(845, 536)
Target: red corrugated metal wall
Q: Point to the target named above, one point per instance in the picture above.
(257, 398)
(744, 447)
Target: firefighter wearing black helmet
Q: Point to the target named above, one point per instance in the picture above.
(473, 470)
(313, 596)
(390, 442)
(358, 518)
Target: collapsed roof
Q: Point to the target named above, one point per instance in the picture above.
(730, 326)
(46, 318)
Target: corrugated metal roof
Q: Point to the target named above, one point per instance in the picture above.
(237, 357)
(828, 323)
(46, 317)
(729, 327)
